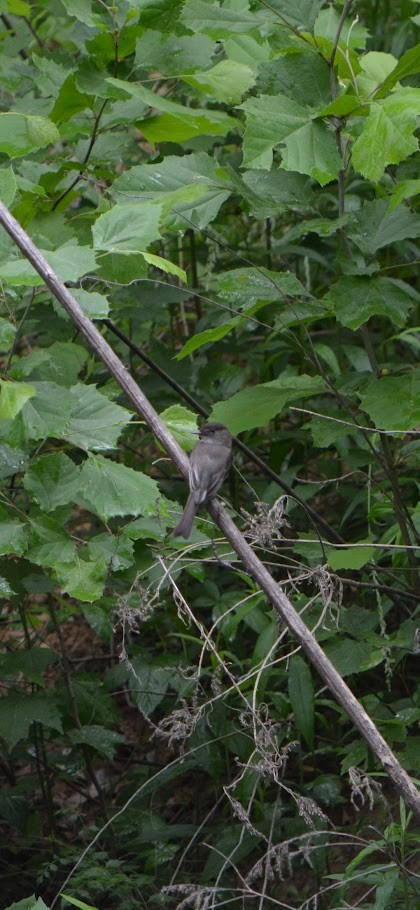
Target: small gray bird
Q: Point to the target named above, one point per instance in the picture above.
(210, 461)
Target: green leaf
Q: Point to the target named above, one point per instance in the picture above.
(302, 77)
(206, 337)
(94, 305)
(24, 133)
(301, 694)
(247, 286)
(350, 656)
(7, 333)
(48, 413)
(393, 402)
(178, 123)
(29, 903)
(112, 489)
(70, 262)
(32, 664)
(408, 65)
(49, 543)
(98, 738)
(216, 20)
(166, 266)
(257, 405)
(60, 363)
(167, 182)
(387, 136)
(12, 461)
(309, 147)
(354, 558)
(127, 228)
(227, 82)
(405, 189)
(375, 227)
(13, 537)
(82, 579)
(82, 10)
(13, 396)
(355, 300)
(95, 422)
(182, 423)
(301, 12)
(8, 185)
(52, 480)
(173, 55)
(149, 684)
(116, 551)
(18, 712)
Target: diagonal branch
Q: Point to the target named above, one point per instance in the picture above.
(271, 588)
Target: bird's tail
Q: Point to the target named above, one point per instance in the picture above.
(183, 528)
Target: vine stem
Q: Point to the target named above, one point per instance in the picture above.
(273, 591)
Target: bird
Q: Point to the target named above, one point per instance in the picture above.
(210, 461)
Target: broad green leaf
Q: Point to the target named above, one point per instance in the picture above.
(209, 336)
(52, 480)
(165, 266)
(375, 227)
(82, 579)
(149, 684)
(257, 405)
(217, 20)
(13, 396)
(387, 136)
(304, 78)
(70, 262)
(227, 82)
(98, 738)
(354, 558)
(116, 551)
(7, 333)
(127, 228)
(247, 286)
(300, 12)
(112, 489)
(309, 146)
(353, 34)
(82, 10)
(61, 363)
(49, 543)
(393, 402)
(182, 423)
(386, 887)
(247, 49)
(350, 656)
(13, 537)
(375, 67)
(94, 305)
(12, 461)
(173, 55)
(404, 190)
(32, 664)
(75, 900)
(24, 133)
(8, 185)
(167, 181)
(18, 712)
(355, 300)
(95, 422)
(177, 123)
(301, 694)
(408, 65)
(70, 101)
(48, 413)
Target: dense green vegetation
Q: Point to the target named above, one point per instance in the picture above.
(232, 190)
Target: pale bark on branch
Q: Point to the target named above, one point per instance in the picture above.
(273, 591)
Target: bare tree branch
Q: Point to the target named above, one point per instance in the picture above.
(271, 588)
